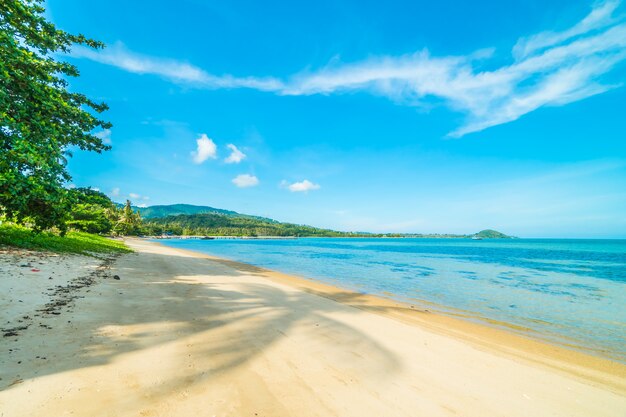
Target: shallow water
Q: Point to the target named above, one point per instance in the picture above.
(568, 291)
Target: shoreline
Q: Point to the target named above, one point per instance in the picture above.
(487, 334)
(373, 236)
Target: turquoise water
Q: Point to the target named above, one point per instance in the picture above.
(567, 291)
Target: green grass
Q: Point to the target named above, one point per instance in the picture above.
(73, 242)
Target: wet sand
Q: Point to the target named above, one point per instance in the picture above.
(185, 334)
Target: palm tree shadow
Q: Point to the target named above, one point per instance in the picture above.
(222, 310)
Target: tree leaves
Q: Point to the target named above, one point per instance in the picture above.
(40, 119)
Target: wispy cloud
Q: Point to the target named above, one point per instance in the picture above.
(549, 69)
(136, 196)
(235, 156)
(117, 192)
(105, 136)
(245, 180)
(206, 149)
(546, 69)
(300, 187)
(600, 17)
(181, 72)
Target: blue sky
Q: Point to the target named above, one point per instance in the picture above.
(412, 117)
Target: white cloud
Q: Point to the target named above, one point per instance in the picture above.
(95, 188)
(105, 136)
(550, 76)
(245, 180)
(206, 149)
(115, 192)
(302, 186)
(133, 196)
(599, 17)
(181, 72)
(546, 69)
(235, 156)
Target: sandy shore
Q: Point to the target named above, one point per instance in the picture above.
(182, 334)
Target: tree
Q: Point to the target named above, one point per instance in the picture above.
(40, 119)
(90, 218)
(91, 211)
(129, 221)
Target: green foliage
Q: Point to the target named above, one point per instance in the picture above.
(39, 118)
(239, 225)
(91, 211)
(176, 209)
(128, 221)
(213, 224)
(491, 234)
(85, 195)
(73, 242)
(90, 218)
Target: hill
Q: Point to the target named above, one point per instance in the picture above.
(186, 219)
(217, 224)
(491, 234)
(176, 209)
(161, 211)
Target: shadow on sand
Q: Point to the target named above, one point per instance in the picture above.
(223, 312)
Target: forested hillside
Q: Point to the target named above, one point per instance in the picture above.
(213, 224)
(217, 224)
(176, 209)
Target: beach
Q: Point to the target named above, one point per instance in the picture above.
(181, 333)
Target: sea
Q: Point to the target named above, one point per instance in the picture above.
(567, 291)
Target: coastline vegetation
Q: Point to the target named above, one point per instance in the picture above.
(192, 220)
(90, 217)
(73, 242)
(41, 121)
(216, 224)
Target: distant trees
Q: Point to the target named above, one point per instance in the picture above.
(218, 224)
(40, 119)
(128, 221)
(491, 234)
(93, 212)
(214, 224)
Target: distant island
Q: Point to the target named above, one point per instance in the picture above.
(191, 220)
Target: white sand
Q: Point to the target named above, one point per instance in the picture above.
(28, 277)
(183, 335)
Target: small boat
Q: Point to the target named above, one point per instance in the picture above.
(477, 238)
(207, 238)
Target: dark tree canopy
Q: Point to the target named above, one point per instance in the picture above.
(40, 119)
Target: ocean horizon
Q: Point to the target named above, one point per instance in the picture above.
(571, 292)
